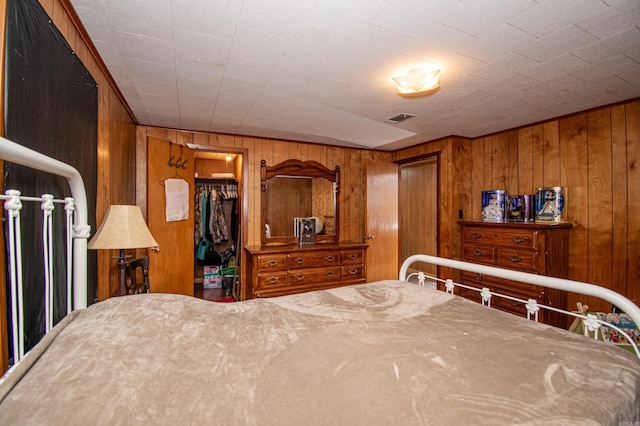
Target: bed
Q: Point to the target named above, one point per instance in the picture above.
(390, 352)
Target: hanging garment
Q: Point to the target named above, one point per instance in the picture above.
(198, 233)
(217, 222)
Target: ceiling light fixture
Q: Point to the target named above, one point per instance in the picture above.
(418, 80)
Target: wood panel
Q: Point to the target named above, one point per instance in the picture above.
(499, 160)
(633, 203)
(600, 199)
(537, 155)
(619, 213)
(525, 161)
(573, 141)
(513, 186)
(551, 154)
(477, 178)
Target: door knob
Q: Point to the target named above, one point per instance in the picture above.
(368, 237)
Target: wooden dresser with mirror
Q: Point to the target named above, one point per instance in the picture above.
(301, 189)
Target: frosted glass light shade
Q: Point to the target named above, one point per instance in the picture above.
(418, 80)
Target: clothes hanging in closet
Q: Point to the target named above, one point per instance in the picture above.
(211, 214)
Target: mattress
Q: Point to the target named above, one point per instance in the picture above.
(382, 353)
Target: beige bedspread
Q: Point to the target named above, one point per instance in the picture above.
(383, 353)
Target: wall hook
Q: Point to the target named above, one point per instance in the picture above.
(178, 164)
(171, 163)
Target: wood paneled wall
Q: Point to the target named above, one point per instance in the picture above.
(351, 162)
(595, 154)
(116, 135)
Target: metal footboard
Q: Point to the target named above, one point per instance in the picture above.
(591, 323)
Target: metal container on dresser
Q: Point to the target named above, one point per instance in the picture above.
(288, 269)
(535, 248)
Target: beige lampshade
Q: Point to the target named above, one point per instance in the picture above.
(123, 227)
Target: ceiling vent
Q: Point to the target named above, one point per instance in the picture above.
(399, 118)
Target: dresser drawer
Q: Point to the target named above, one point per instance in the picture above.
(271, 280)
(502, 237)
(350, 257)
(271, 262)
(510, 288)
(479, 254)
(352, 272)
(313, 259)
(522, 260)
(313, 275)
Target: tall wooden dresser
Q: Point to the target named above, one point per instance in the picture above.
(534, 248)
(286, 269)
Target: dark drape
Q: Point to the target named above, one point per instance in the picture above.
(51, 106)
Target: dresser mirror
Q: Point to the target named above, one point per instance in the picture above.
(298, 189)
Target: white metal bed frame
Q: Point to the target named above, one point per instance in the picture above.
(591, 323)
(77, 233)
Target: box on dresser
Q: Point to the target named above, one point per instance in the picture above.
(286, 269)
(536, 248)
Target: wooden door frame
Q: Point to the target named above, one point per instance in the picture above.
(244, 203)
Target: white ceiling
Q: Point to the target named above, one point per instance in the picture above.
(320, 70)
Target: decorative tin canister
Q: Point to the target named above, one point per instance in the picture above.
(493, 205)
(520, 208)
(550, 204)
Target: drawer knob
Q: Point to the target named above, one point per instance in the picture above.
(518, 239)
(299, 260)
(329, 274)
(479, 277)
(353, 257)
(272, 263)
(273, 280)
(300, 277)
(476, 235)
(330, 258)
(478, 252)
(353, 271)
(515, 258)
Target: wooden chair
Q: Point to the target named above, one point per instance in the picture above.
(133, 285)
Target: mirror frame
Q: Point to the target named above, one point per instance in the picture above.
(298, 168)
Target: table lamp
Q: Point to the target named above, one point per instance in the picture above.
(123, 228)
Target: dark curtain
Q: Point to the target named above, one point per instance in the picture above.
(51, 106)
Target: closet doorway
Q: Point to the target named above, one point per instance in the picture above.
(419, 209)
(220, 206)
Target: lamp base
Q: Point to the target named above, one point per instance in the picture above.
(122, 266)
